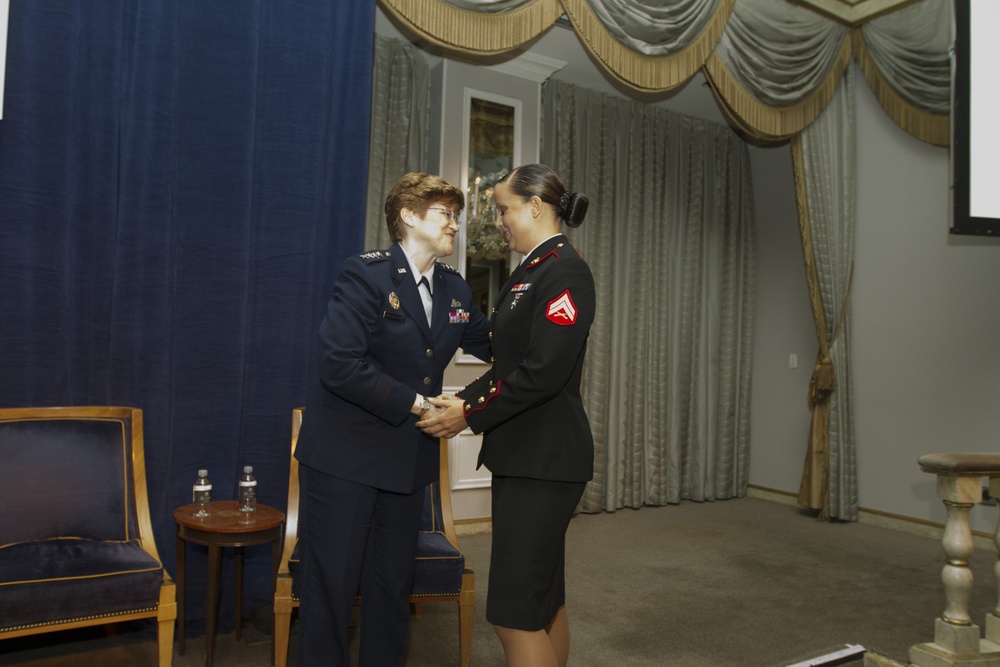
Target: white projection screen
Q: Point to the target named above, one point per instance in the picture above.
(975, 113)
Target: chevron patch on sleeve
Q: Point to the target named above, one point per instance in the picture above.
(562, 310)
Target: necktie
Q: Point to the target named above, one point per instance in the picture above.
(426, 297)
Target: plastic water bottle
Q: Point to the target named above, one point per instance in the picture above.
(248, 490)
(202, 493)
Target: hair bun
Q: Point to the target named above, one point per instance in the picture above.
(563, 204)
(573, 208)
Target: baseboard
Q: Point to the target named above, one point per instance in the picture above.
(473, 526)
(878, 518)
(874, 517)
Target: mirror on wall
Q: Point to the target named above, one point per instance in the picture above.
(492, 140)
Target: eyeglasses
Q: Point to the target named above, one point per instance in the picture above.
(446, 212)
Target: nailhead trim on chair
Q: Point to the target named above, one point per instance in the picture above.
(79, 618)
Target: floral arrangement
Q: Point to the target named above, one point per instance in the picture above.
(483, 239)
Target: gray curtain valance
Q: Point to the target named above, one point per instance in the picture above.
(773, 64)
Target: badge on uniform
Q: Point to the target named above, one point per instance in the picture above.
(393, 300)
(520, 287)
(562, 310)
(458, 316)
(455, 303)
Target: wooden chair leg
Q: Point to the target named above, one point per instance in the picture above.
(165, 642)
(166, 620)
(466, 612)
(279, 641)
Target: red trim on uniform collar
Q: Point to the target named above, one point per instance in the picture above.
(538, 260)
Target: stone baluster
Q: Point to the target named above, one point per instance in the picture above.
(957, 641)
(993, 618)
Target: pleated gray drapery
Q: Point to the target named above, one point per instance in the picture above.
(669, 237)
(398, 144)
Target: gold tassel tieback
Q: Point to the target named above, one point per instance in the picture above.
(824, 380)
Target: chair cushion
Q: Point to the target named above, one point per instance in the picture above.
(62, 580)
(439, 566)
(438, 569)
(54, 467)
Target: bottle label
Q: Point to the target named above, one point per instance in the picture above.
(252, 482)
(202, 487)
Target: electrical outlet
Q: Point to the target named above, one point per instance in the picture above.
(793, 361)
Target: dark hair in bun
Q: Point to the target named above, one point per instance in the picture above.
(538, 180)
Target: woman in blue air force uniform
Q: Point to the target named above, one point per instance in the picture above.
(383, 347)
(537, 440)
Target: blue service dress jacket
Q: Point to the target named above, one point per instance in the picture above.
(528, 405)
(375, 351)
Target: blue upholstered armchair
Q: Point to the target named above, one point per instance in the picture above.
(440, 575)
(76, 543)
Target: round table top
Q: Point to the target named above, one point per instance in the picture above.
(225, 517)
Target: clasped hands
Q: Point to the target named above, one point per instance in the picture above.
(446, 418)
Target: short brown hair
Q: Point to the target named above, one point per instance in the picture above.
(418, 192)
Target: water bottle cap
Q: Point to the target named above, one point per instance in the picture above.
(203, 473)
(247, 470)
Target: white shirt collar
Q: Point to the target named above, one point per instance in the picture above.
(416, 275)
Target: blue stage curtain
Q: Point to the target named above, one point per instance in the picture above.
(179, 182)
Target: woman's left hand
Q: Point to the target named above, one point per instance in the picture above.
(447, 421)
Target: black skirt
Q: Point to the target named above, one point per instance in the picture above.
(527, 563)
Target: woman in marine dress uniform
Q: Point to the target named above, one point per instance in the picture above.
(537, 440)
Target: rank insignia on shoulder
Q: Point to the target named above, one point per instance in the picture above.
(393, 300)
(458, 316)
(373, 254)
(562, 310)
(446, 267)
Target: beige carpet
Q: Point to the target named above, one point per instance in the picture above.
(737, 583)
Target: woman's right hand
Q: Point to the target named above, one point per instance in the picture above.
(448, 420)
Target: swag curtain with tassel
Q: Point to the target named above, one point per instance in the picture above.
(823, 159)
(179, 182)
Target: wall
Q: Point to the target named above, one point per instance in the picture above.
(925, 317)
(779, 413)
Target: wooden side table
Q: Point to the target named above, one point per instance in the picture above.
(226, 526)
